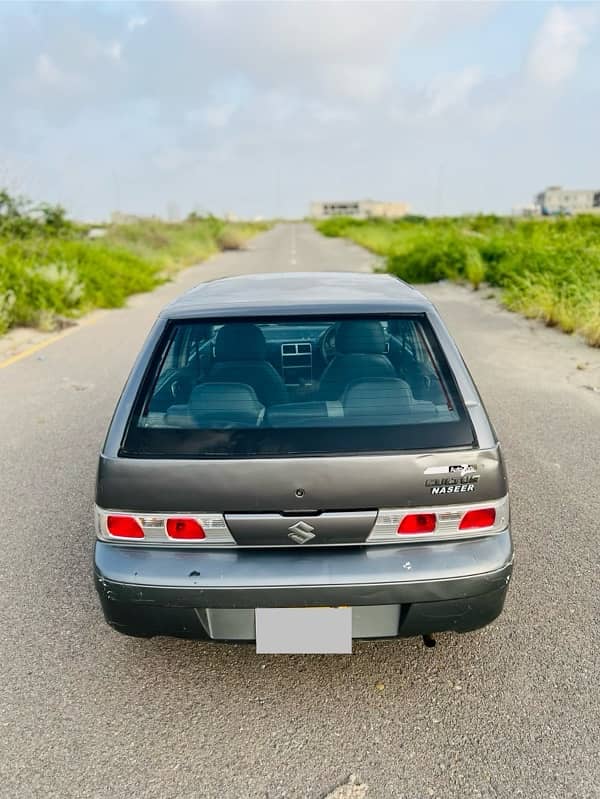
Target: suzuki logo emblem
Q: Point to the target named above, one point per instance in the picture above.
(301, 532)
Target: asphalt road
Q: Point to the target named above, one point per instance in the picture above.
(510, 711)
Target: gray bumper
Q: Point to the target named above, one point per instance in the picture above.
(460, 584)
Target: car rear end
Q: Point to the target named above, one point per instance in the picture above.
(380, 490)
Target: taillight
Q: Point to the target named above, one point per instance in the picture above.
(417, 523)
(124, 527)
(187, 529)
(473, 519)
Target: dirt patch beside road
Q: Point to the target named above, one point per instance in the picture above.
(518, 344)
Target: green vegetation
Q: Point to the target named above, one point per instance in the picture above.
(547, 269)
(50, 268)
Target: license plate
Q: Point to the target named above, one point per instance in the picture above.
(324, 631)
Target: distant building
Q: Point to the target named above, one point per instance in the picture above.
(556, 200)
(119, 218)
(361, 209)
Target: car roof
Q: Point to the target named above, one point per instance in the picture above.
(292, 293)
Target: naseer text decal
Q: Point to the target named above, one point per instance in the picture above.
(461, 479)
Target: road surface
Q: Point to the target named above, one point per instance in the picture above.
(510, 711)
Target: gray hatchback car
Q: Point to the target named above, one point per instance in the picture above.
(301, 459)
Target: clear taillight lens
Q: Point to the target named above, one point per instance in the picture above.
(124, 527)
(417, 523)
(185, 529)
(476, 519)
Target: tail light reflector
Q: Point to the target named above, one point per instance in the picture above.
(124, 527)
(417, 523)
(473, 519)
(186, 529)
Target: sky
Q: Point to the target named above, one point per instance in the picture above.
(257, 108)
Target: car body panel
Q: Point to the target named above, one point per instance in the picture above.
(322, 529)
(296, 570)
(265, 485)
(393, 591)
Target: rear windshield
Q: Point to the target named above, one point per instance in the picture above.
(278, 387)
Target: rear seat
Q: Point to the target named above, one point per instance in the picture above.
(389, 400)
(380, 400)
(218, 405)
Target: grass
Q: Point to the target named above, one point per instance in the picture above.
(547, 269)
(174, 245)
(48, 272)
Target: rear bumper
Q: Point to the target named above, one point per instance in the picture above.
(458, 585)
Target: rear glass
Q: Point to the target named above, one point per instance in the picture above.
(277, 387)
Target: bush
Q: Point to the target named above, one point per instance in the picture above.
(474, 268)
(22, 219)
(548, 269)
(444, 257)
(230, 239)
(40, 279)
(49, 268)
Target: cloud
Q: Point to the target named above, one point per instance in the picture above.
(114, 51)
(218, 115)
(47, 71)
(136, 22)
(321, 49)
(327, 114)
(192, 54)
(361, 82)
(48, 76)
(559, 42)
(267, 104)
(452, 90)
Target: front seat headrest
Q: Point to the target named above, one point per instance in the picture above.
(360, 336)
(240, 341)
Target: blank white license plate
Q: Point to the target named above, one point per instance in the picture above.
(304, 631)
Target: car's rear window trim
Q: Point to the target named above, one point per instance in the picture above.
(374, 453)
(160, 353)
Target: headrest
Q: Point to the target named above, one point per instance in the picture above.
(360, 336)
(388, 396)
(233, 402)
(240, 341)
(201, 330)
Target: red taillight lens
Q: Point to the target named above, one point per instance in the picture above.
(185, 528)
(417, 523)
(124, 527)
(482, 517)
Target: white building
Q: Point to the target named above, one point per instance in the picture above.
(556, 200)
(361, 209)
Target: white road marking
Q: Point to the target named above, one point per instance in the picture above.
(293, 257)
